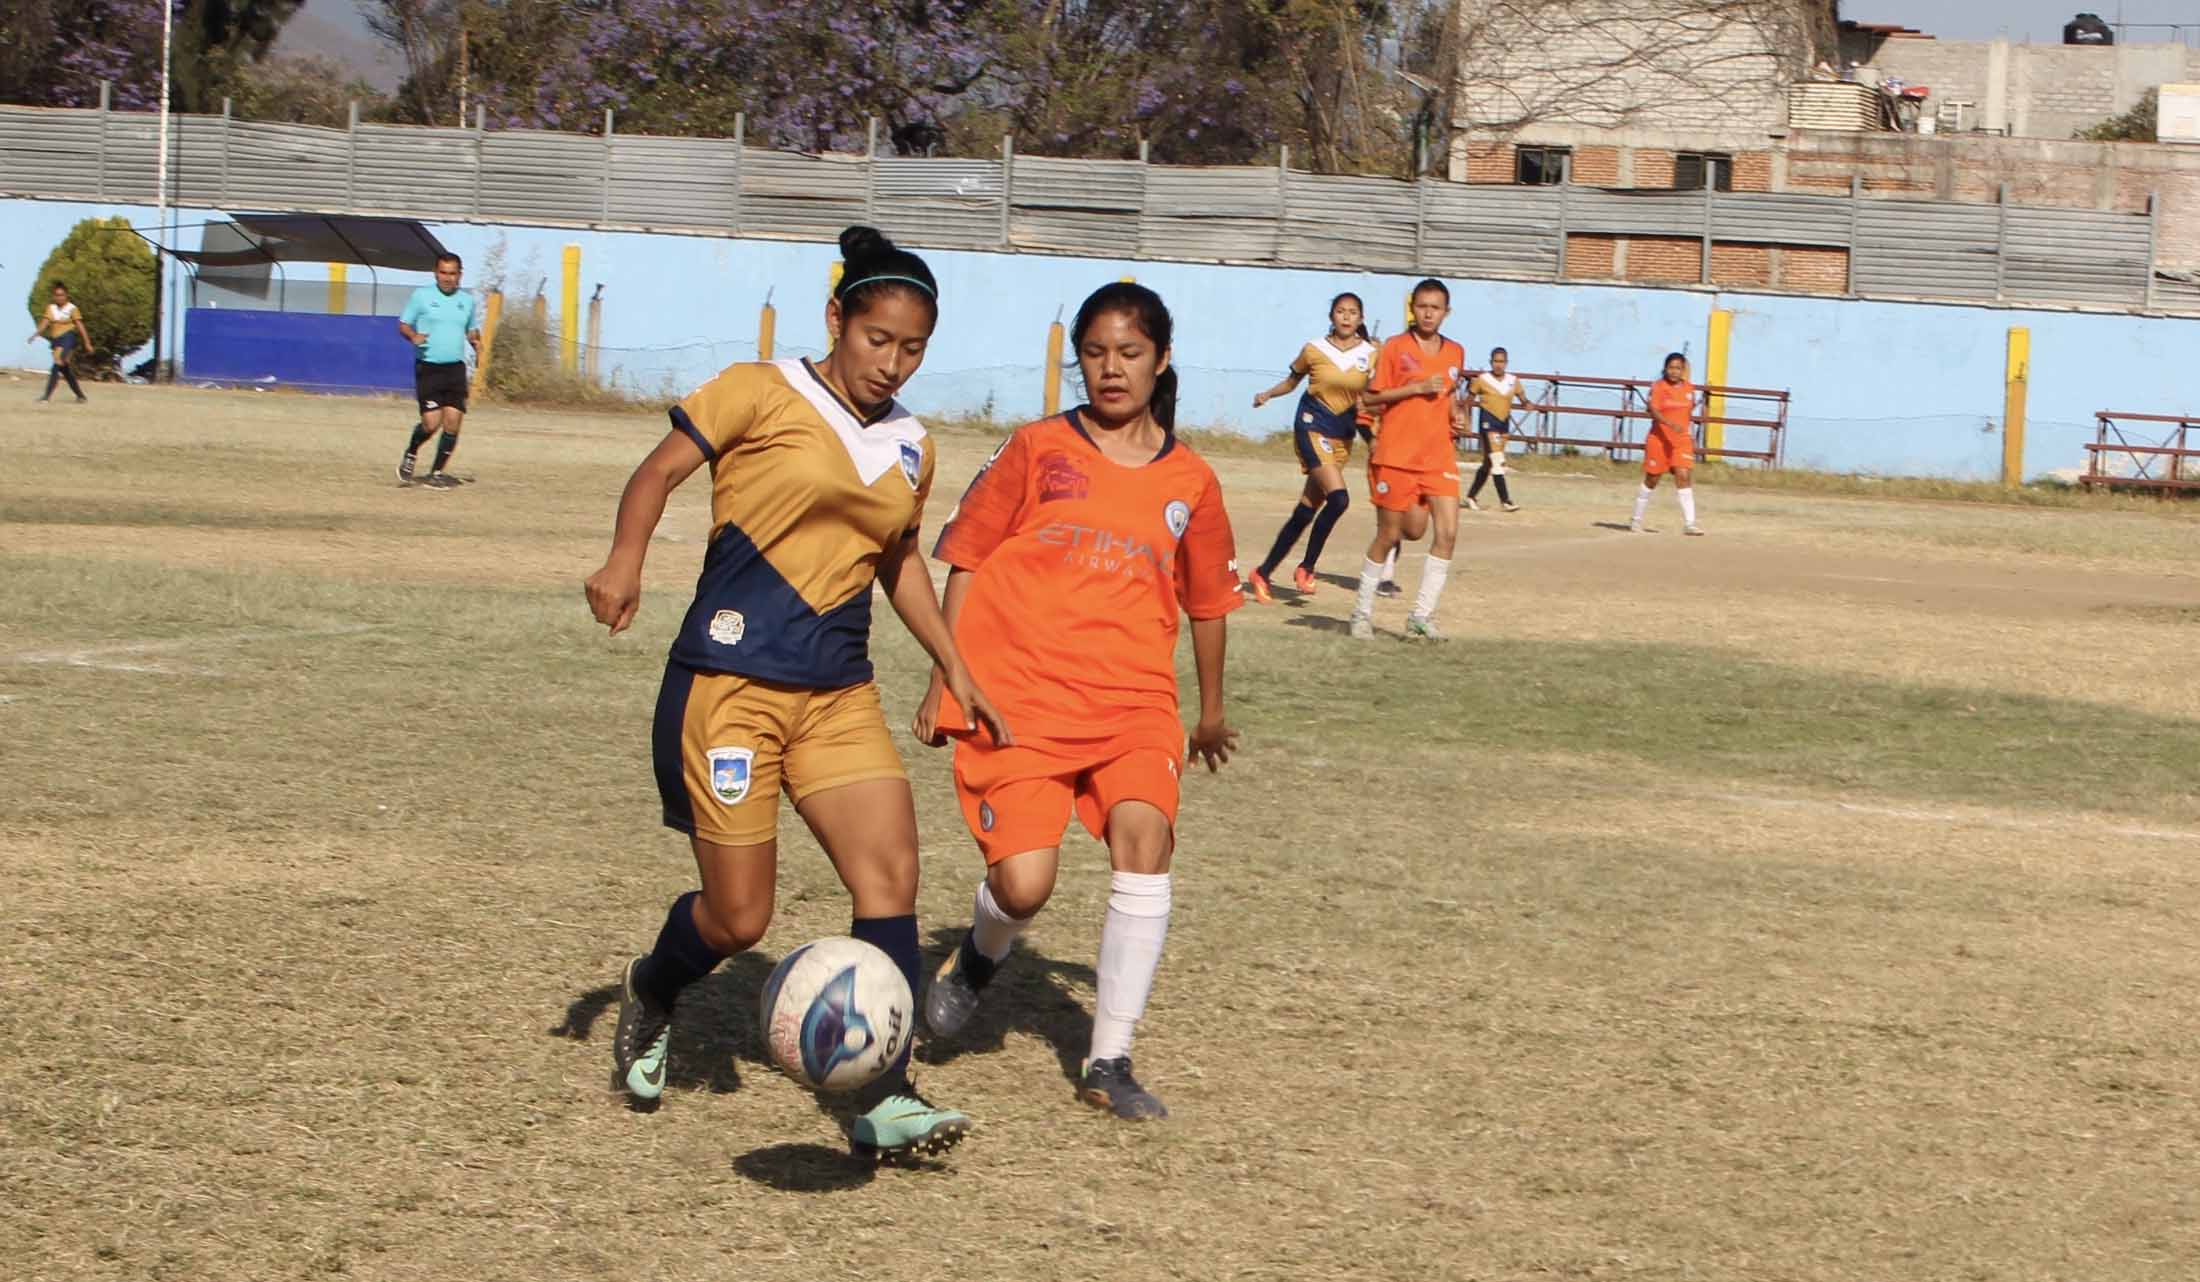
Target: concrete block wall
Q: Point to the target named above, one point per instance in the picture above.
(1612, 63)
(2030, 90)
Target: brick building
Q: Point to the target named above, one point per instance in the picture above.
(1552, 92)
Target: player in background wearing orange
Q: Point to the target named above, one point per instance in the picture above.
(1072, 557)
(1495, 392)
(1415, 470)
(1336, 366)
(818, 484)
(1671, 443)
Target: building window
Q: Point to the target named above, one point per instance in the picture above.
(1541, 166)
(1694, 171)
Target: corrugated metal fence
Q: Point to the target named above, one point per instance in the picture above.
(1099, 208)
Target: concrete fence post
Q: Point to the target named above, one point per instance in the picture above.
(351, 157)
(481, 127)
(740, 166)
(222, 192)
(2154, 246)
(106, 99)
(870, 172)
(2001, 244)
(607, 127)
(1008, 190)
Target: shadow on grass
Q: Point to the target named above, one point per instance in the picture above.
(716, 1025)
(1621, 526)
(805, 1168)
(1028, 995)
(1319, 623)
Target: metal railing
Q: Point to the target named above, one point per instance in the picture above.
(1625, 418)
(2154, 451)
(1109, 209)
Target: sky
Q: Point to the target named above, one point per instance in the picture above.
(2040, 21)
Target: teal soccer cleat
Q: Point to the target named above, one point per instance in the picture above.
(906, 1123)
(638, 1048)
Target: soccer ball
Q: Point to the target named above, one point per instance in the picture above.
(836, 1014)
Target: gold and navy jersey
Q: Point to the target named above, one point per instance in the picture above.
(1336, 376)
(806, 494)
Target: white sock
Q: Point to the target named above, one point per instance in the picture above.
(1130, 953)
(1433, 574)
(1390, 566)
(1688, 504)
(993, 932)
(1642, 503)
(1371, 577)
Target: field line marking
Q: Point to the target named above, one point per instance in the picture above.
(115, 656)
(1984, 819)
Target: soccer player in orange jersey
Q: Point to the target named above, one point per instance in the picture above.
(1671, 443)
(1415, 469)
(818, 484)
(1073, 555)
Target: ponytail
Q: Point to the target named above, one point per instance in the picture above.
(1163, 407)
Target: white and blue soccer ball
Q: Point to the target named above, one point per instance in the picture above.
(836, 1014)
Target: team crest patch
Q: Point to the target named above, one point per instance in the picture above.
(727, 627)
(1179, 516)
(1060, 478)
(912, 463)
(985, 816)
(729, 774)
(1382, 487)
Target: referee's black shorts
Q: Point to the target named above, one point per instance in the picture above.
(440, 385)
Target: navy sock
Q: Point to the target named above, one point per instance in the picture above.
(1481, 477)
(1287, 538)
(419, 438)
(897, 938)
(1503, 495)
(444, 447)
(680, 956)
(53, 376)
(1333, 506)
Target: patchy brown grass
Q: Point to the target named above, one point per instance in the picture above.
(1812, 901)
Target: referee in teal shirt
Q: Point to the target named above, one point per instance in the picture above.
(439, 322)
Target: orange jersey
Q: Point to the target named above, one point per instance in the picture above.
(1672, 405)
(1416, 431)
(1082, 567)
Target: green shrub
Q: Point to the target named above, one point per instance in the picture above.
(524, 365)
(111, 275)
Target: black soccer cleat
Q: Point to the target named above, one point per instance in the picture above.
(1108, 1084)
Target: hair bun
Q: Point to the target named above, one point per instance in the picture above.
(864, 242)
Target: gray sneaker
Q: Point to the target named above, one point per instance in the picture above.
(1421, 629)
(405, 470)
(638, 1048)
(1362, 628)
(1693, 530)
(952, 996)
(440, 481)
(1108, 1084)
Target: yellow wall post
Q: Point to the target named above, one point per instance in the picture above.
(569, 312)
(2012, 421)
(767, 329)
(492, 311)
(1128, 280)
(1714, 375)
(592, 359)
(1052, 396)
(338, 273)
(832, 284)
(542, 310)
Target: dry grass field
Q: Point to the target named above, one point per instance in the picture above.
(1817, 901)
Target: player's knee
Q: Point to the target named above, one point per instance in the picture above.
(1336, 501)
(1139, 839)
(1021, 887)
(732, 926)
(1497, 461)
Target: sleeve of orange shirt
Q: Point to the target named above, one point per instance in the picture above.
(1206, 560)
(989, 507)
(1387, 376)
(720, 412)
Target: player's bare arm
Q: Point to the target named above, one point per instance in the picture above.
(908, 583)
(614, 592)
(1212, 740)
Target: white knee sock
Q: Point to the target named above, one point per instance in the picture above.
(1433, 574)
(1642, 503)
(993, 932)
(1130, 953)
(1371, 577)
(1688, 504)
(1390, 566)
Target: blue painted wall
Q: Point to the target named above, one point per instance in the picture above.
(296, 349)
(1891, 388)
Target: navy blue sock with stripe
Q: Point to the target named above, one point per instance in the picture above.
(1287, 538)
(897, 938)
(680, 956)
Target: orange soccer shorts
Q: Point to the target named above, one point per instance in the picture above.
(1398, 489)
(1664, 451)
(1021, 797)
